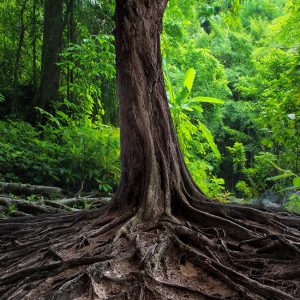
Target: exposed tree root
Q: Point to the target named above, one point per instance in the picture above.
(97, 255)
(23, 208)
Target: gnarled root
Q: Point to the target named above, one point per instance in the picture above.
(96, 255)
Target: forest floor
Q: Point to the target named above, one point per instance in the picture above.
(72, 249)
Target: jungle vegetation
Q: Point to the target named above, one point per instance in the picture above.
(231, 70)
(172, 109)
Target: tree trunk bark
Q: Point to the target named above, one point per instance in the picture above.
(71, 40)
(34, 39)
(20, 44)
(153, 170)
(52, 40)
(19, 53)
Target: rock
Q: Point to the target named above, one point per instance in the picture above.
(269, 200)
(269, 204)
(272, 200)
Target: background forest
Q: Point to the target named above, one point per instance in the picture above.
(232, 76)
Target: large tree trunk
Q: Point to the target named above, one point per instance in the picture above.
(19, 53)
(20, 44)
(52, 41)
(34, 42)
(153, 171)
(160, 238)
(71, 40)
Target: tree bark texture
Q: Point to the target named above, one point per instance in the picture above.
(153, 171)
(34, 49)
(20, 43)
(71, 40)
(52, 41)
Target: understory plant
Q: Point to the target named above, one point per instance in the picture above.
(262, 175)
(89, 66)
(195, 139)
(63, 152)
(73, 146)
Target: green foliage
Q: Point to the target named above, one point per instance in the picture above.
(275, 87)
(211, 78)
(239, 156)
(32, 198)
(10, 32)
(69, 152)
(232, 15)
(243, 188)
(85, 204)
(293, 203)
(254, 177)
(75, 142)
(91, 64)
(11, 209)
(261, 10)
(243, 52)
(285, 178)
(194, 137)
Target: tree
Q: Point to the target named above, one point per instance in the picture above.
(52, 41)
(160, 238)
(20, 43)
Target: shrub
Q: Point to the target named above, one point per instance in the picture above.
(60, 154)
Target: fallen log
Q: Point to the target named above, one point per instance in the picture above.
(28, 189)
(24, 207)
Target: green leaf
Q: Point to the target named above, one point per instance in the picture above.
(182, 96)
(267, 142)
(2, 98)
(208, 100)
(281, 176)
(168, 81)
(296, 181)
(186, 107)
(63, 115)
(197, 108)
(189, 79)
(210, 139)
